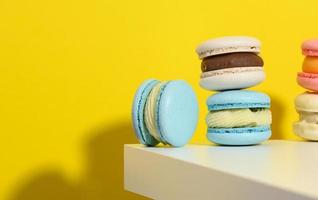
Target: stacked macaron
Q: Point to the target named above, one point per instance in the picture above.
(307, 103)
(236, 117)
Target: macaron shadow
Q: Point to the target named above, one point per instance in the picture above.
(278, 113)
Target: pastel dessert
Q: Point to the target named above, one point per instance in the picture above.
(238, 117)
(308, 78)
(165, 112)
(310, 47)
(307, 107)
(230, 63)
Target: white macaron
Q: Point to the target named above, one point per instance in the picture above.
(230, 63)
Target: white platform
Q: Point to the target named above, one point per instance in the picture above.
(273, 170)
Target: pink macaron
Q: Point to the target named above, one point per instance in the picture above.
(310, 47)
(308, 81)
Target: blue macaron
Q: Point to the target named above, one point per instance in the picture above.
(175, 113)
(239, 99)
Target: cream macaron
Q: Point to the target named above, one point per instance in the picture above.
(230, 63)
(307, 107)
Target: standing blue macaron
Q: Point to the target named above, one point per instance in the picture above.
(165, 112)
(238, 117)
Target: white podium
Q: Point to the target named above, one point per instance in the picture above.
(274, 170)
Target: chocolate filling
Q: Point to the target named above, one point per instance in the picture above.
(231, 60)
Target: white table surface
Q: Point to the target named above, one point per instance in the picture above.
(285, 169)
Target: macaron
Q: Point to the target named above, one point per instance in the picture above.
(306, 105)
(308, 78)
(230, 63)
(238, 117)
(310, 47)
(165, 112)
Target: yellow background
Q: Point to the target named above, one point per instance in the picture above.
(69, 70)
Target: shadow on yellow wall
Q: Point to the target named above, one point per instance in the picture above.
(278, 114)
(103, 175)
(102, 178)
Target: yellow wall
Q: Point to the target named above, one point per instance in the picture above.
(69, 69)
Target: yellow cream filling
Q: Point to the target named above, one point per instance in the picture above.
(151, 109)
(236, 118)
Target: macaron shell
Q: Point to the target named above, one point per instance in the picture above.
(228, 44)
(140, 98)
(310, 47)
(239, 136)
(308, 81)
(235, 99)
(307, 102)
(308, 131)
(310, 65)
(232, 78)
(177, 113)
